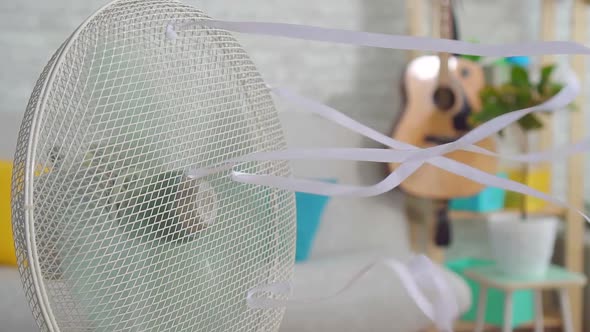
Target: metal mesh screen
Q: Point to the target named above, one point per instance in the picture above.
(110, 234)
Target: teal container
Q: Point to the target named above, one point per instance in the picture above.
(488, 200)
(310, 209)
(523, 311)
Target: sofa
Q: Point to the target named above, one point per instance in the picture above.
(352, 234)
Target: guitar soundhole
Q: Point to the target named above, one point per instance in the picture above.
(444, 98)
(464, 72)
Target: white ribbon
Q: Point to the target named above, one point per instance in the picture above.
(369, 39)
(410, 161)
(419, 277)
(440, 310)
(410, 157)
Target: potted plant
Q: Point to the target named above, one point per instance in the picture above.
(522, 244)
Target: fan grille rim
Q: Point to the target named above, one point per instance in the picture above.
(34, 117)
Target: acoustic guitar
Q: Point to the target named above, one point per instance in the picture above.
(440, 92)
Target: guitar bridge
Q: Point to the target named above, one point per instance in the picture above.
(439, 140)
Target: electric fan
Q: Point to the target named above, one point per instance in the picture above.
(111, 232)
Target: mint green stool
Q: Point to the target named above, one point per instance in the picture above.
(522, 300)
(556, 278)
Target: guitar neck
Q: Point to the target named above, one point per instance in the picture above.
(446, 31)
(444, 72)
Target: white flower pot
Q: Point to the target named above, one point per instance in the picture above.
(522, 248)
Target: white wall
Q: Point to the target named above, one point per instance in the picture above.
(362, 82)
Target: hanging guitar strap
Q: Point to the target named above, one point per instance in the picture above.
(443, 231)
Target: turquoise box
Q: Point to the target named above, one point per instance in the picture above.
(488, 200)
(523, 311)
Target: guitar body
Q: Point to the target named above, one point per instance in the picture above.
(422, 123)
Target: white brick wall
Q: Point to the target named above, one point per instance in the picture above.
(362, 82)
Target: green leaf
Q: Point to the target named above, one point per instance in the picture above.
(553, 89)
(489, 95)
(474, 58)
(518, 93)
(530, 122)
(546, 72)
(489, 112)
(519, 77)
(523, 98)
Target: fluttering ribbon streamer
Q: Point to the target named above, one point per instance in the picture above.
(418, 276)
(408, 156)
(396, 177)
(409, 160)
(380, 40)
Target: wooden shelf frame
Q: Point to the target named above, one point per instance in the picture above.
(550, 210)
(552, 319)
(574, 224)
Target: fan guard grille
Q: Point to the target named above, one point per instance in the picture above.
(110, 236)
